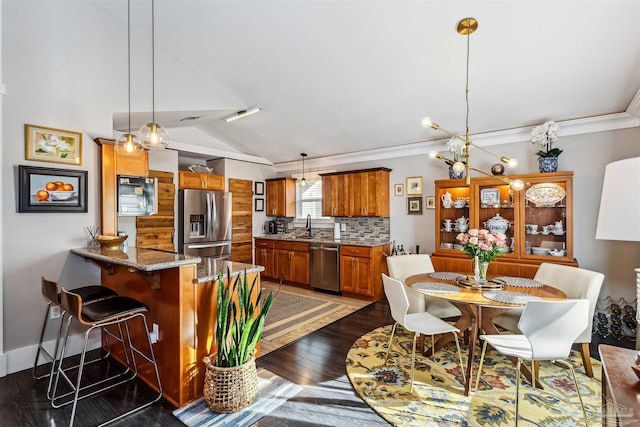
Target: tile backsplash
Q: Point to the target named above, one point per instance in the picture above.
(358, 229)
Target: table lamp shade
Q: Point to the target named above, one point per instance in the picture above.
(619, 217)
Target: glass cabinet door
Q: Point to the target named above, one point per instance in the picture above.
(497, 212)
(452, 214)
(545, 221)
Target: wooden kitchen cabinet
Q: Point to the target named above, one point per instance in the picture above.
(487, 197)
(281, 197)
(200, 181)
(113, 164)
(291, 259)
(361, 269)
(264, 256)
(363, 193)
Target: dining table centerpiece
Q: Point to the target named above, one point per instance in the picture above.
(545, 136)
(483, 247)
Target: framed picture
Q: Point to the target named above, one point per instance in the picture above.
(51, 190)
(414, 186)
(259, 205)
(399, 189)
(53, 145)
(414, 205)
(431, 202)
(259, 188)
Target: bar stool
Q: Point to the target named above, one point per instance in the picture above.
(118, 311)
(50, 290)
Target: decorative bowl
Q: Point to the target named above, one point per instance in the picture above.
(110, 242)
(540, 251)
(61, 195)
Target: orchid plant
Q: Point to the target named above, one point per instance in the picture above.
(545, 135)
(455, 146)
(482, 244)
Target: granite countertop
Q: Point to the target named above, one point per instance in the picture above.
(154, 260)
(304, 239)
(209, 268)
(141, 259)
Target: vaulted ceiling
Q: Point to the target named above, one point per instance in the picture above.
(340, 77)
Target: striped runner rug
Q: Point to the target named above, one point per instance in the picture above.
(273, 391)
(293, 316)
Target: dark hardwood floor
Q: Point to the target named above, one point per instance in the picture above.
(316, 361)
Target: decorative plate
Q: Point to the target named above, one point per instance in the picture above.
(200, 169)
(546, 194)
(489, 197)
(446, 275)
(435, 287)
(509, 297)
(520, 282)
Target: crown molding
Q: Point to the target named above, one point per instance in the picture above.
(198, 151)
(509, 136)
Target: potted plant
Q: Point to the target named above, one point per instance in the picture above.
(483, 247)
(545, 135)
(231, 379)
(455, 146)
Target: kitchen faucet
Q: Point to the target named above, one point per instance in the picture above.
(308, 227)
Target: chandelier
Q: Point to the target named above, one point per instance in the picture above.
(466, 27)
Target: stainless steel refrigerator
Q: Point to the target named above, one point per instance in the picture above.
(205, 223)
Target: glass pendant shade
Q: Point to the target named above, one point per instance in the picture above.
(154, 136)
(129, 145)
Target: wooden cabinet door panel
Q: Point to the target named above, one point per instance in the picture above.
(214, 182)
(282, 264)
(300, 267)
(264, 257)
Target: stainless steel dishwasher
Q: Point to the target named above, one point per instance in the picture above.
(325, 267)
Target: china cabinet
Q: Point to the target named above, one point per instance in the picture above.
(281, 197)
(538, 221)
(361, 193)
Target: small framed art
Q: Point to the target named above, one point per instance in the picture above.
(414, 205)
(259, 205)
(53, 145)
(414, 186)
(259, 188)
(51, 190)
(398, 189)
(430, 202)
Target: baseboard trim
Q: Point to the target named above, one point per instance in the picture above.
(22, 358)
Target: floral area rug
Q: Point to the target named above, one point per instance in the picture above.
(438, 389)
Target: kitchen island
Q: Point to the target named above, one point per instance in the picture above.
(180, 292)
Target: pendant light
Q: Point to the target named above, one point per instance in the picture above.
(303, 181)
(154, 136)
(129, 144)
(466, 27)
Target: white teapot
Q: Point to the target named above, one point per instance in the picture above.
(462, 221)
(447, 201)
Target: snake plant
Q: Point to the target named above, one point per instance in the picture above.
(240, 320)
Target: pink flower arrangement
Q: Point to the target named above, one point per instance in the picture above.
(482, 244)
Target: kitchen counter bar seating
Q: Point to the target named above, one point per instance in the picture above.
(51, 292)
(117, 311)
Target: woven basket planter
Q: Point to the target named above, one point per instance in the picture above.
(230, 389)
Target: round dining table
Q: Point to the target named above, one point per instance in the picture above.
(477, 311)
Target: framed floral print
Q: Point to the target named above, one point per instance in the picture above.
(53, 145)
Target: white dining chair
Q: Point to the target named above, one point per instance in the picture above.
(577, 283)
(418, 323)
(549, 328)
(403, 266)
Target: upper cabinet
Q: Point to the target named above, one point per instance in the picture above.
(538, 221)
(363, 193)
(200, 181)
(113, 164)
(281, 197)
